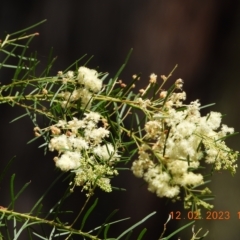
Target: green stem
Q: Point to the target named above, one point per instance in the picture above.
(48, 222)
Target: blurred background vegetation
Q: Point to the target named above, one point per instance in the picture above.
(202, 37)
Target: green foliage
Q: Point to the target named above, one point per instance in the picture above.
(104, 124)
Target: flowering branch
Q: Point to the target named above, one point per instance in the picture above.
(93, 122)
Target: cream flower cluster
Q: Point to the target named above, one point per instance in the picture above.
(88, 82)
(177, 141)
(82, 148)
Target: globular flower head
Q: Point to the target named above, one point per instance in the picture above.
(177, 142)
(82, 148)
(89, 79)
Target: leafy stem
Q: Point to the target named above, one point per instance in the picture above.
(63, 227)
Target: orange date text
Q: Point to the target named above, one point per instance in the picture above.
(194, 215)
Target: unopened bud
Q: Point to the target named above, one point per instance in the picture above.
(179, 83)
(163, 77)
(55, 130)
(153, 78)
(44, 91)
(163, 94)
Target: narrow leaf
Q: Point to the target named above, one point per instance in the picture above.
(28, 28)
(135, 225)
(88, 213)
(178, 230)
(17, 118)
(107, 219)
(140, 236)
(2, 174)
(12, 190)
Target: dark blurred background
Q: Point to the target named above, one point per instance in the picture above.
(202, 37)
